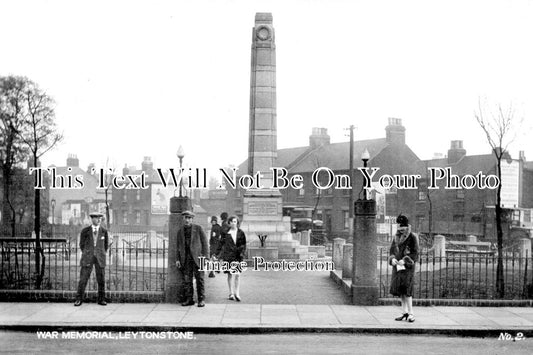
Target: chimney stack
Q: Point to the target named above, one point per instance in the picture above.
(456, 152)
(318, 137)
(73, 161)
(147, 164)
(395, 132)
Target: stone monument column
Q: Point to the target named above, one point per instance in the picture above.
(262, 207)
(262, 139)
(264, 204)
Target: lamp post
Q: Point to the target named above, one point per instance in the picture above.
(365, 157)
(365, 289)
(53, 203)
(174, 285)
(181, 155)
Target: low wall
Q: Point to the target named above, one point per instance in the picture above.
(91, 296)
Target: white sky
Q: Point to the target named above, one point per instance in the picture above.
(140, 78)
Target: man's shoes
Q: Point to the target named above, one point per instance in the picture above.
(411, 318)
(201, 304)
(77, 303)
(211, 274)
(231, 297)
(187, 303)
(237, 298)
(102, 303)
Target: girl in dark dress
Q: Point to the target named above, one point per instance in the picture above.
(403, 256)
(232, 247)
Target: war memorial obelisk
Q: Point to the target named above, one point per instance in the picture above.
(262, 208)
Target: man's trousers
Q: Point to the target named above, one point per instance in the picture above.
(85, 273)
(189, 270)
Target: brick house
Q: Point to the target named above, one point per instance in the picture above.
(391, 154)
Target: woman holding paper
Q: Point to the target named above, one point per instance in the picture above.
(403, 256)
(232, 248)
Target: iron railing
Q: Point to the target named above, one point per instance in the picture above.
(464, 275)
(134, 263)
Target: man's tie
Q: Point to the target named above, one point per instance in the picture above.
(95, 236)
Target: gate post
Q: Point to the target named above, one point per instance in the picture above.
(365, 255)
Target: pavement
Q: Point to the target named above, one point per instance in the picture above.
(271, 287)
(263, 318)
(272, 302)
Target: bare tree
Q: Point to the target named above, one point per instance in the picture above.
(12, 151)
(39, 136)
(430, 208)
(500, 130)
(110, 168)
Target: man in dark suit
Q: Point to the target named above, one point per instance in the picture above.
(94, 243)
(214, 240)
(224, 227)
(191, 244)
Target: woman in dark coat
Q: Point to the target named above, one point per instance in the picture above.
(232, 247)
(403, 256)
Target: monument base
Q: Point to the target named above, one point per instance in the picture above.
(262, 216)
(267, 253)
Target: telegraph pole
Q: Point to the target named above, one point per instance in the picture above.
(352, 179)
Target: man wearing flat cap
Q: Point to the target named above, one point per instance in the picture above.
(191, 245)
(94, 243)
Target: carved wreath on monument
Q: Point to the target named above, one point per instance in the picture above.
(263, 33)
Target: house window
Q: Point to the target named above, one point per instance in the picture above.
(476, 219)
(137, 217)
(458, 218)
(421, 195)
(460, 194)
(138, 195)
(124, 217)
(124, 196)
(346, 219)
(419, 222)
(527, 216)
(301, 192)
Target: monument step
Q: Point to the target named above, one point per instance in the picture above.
(266, 227)
(301, 249)
(278, 244)
(298, 256)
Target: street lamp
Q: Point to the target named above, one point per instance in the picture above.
(181, 155)
(365, 157)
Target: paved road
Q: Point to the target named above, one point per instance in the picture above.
(281, 287)
(294, 343)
